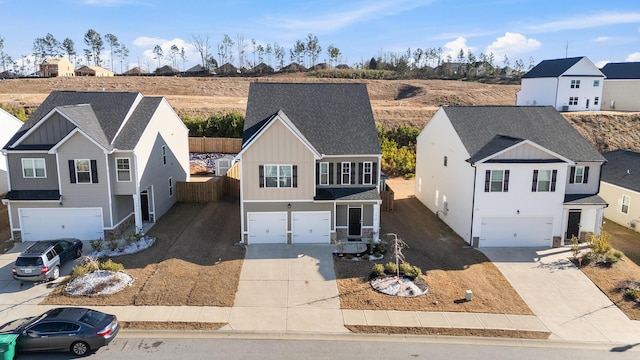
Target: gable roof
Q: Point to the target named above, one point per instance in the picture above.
(552, 68)
(622, 169)
(336, 118)
(486, 130)
(100, 115)
(623, 70)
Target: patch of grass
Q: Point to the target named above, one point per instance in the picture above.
(494, 333)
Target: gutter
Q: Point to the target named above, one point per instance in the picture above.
(473, 203)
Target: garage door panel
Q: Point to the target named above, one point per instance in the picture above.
(42, 224)
(311, 227)
(516, 232)
(267, 227)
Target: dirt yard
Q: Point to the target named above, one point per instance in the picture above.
(193, 261)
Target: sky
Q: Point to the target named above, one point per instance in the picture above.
(604, 31)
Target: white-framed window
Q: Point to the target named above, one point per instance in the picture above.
(596, 83)
(367, 173)
(496, 181)
(83, 171)
(596, 100)
(123, 169)
(575, 84)
(544, 180)
(278, 176)
(170, 186)
(573, 100)
(624, 208)
(324, 173)
(164, 155)
(345, 173)
(578, 178)
(34, 168)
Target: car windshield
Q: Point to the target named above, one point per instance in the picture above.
(29, 261)
(92, 317)
(15, 325)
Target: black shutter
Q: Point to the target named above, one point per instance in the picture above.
(72, 171)
(331, 174)
(572, 175)
(554, 176)
(534, 184)
(94, 171)
(487, 180)
(505, 185)
(317, 173)
(374, 173)
(353, 173)
(585, 177)
(261, 175)
(360, 172)
(295, 176)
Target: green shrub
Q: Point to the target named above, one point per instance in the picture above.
(97, 244)
(599, 245)
(109, 265)
(17, 112)
(349, 256)
(216, 125)
(378, 269)
(381, 249)
(405, 268)
(365, 257)
(377, 254)
(633, 294)
(612, 256)
(391, 267)
(112, 244)
(82, 269)
(415, 272)
(575, 246)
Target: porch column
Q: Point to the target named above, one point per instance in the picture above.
(376, 222)
(137, 212)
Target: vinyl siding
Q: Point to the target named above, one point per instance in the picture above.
(623, 92)
(122, 187)
(18, 182)
(613, 195)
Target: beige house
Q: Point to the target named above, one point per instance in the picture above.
(87, 70)
(620, 187)
(621, 89)
(56, 66)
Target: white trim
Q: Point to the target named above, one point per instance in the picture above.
(108, 177)
(171, 186)
(342, 173)
(622, 204)
(278, 166)
(119, 222)
(75, 168)
(351, 156)
(320, 175)
(528, 142)
(118, 170)
(364, 172)
(34, 168)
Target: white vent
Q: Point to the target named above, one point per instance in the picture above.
(445, 206)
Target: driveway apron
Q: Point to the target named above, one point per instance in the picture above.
(287, 288)
(562, 297)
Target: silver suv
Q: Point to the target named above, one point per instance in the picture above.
(42, 260)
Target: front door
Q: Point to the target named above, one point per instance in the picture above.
(587, 104)
(573, 225)
(144, 205)
(355, 222)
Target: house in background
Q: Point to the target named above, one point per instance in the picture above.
(571, 84)
(9, 125)
(621, 89)
(97, 71)
(508, 176)
(620, 187)
(56, 66)
(91, 165)
(310, 164)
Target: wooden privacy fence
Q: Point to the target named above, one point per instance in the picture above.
(215, 145)
(212, 190)
(387, 199)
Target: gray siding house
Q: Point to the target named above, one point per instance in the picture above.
(310, 164)
(92, 165)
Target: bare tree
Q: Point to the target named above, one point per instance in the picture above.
(112, 40)
(313, 48)
(123, 53)
(173, 55)
(279, 52)
(201, 43)
(241, 48)
(159, 53)
(183, 56)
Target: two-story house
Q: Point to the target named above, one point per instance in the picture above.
(621, 90)
(620, 186)
(508, 176)
(310, 164)
(91, 165)
(571, 84)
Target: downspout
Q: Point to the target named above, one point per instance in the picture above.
(473, 202)
(556, 96)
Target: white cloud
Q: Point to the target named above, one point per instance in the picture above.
(602, 63)
(586, 22)
(512, 44)
(633, 57)
(144, 41)
(602, 39)
(150, 62)
(452, 48)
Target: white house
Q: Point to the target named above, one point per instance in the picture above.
(9, 125)
(620, 186)
(509, 176)
(571, 84)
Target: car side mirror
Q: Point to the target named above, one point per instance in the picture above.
(30, 333)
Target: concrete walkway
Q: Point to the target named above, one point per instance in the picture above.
(562, 297)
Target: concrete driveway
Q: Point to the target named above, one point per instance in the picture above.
(562, 297)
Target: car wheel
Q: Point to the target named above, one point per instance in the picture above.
(78, 253)
(55, 273)
(80, 348)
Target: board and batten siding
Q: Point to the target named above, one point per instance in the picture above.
(524, 152)
(76, 195)
(50, 131)
(19, 182)
(593, 180)
(277, 145)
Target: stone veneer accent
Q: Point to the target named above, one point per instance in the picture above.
(120, 229)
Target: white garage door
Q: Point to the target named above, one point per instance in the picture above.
(516, 232)
(43, 224)
(311, 227)
(267, 227)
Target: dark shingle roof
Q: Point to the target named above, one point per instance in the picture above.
(622, 169)
(99, 114)
(348, 193)
(486, 130)
(625, 70)
(552, 68)
(584, 199)
(336, 118)
(33, 195)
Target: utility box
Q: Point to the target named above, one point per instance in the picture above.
(468, 295)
